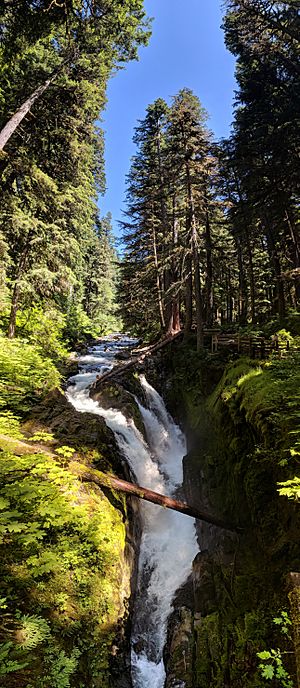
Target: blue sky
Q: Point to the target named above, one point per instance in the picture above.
(186, 50)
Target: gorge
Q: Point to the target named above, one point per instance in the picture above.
(200, 605)
(165, 561)
(199, 625)
(194, 404)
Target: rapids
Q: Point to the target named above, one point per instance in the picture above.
(168, 544)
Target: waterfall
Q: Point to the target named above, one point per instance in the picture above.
(168, 544)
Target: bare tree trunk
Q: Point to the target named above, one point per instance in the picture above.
(295, 253)
(249, 249)
(242, 299)
(175, 314)
(188, 281)
(198, 294)
(167, 309)
(13, 123)
(138, 358)
(158, 285)
(294, 239)
(209, 299)
(104, 480)
(195, 255)
(13, 311)
(293, 581)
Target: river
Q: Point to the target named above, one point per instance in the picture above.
(168, 544)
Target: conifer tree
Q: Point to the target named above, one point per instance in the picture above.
(170, 205)
(264, 36)
(52, 168)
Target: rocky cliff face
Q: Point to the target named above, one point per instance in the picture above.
(239, 580)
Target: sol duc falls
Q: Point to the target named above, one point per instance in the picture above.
(149, 344)
(168, 543)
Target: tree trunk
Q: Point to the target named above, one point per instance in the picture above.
(249, 248)
(13, 311)
(198, 295)
(195, 256)
(174, 320)
(188, 281)
(242, 300)
(16, 291)
(135, 360)
(167, 309)
(251, 277)
(275, 260)
(114, 483)
(209, 299)
(294, 239)
(229, 297)
(295, 253)
(16, 119)
(293, 581)
(158, 285)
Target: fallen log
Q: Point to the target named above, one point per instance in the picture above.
(135, 360)
(112, 482)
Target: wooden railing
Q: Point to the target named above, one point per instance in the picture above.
(252, 346)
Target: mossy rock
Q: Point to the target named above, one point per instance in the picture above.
(113, 395)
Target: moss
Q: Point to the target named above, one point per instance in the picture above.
(226, 652)
(62, 562)
(243, 433)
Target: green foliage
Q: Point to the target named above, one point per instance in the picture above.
(56, 251)
(32, 631)
(25, 375)
(60, 668)
(284, 622)
(65, 452)
(8, 665)
(272, 668)
(62, 544)
(42, 436)
(290, 488)
(78, 325)
(268, 395)
(43, 326)
(170, 192)
(259, 166)
(10, 424)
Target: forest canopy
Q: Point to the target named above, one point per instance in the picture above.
(212, 227)
(58, 254)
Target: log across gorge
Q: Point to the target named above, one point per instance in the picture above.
(168, 543)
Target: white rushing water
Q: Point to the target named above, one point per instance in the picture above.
(168, 544)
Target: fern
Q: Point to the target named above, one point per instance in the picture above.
(33, 631)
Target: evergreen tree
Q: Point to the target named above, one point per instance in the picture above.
(263, 148)
(170, 209)
(52, 168)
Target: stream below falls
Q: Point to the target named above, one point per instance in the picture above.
(168, 544)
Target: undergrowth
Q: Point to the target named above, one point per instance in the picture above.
(61, 543)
